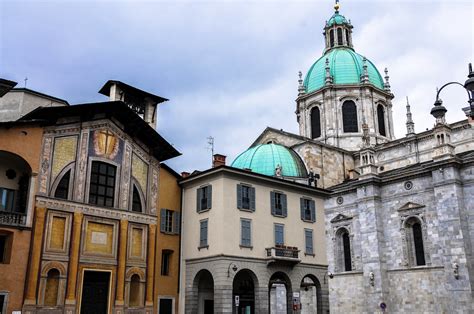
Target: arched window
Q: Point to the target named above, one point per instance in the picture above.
(102, 184)
(381, 120)
(349, 117)
(134, 296)
(346, 243)
(62, 190)
(331, 37)
(347, 38)
(339, 36)
(315, 123)
(136, 201)
(414, 240)
(52, 288)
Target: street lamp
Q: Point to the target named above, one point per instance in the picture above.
(439, 110)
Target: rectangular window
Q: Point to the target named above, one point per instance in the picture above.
(3, 303)
(245, 197)
(203, 234)
(7, 199)
(165, 262)
(308, 236)
(308, 210)
(204, 198)
(102, 184)
(279, 234)
(245, 232)
(278, 204)
(166, 306)
(3, 249)
(169, 221)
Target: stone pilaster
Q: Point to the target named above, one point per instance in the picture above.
(32, 281)
(150, 268)
(73, 264)
(119, 299)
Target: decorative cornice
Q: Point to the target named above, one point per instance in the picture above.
(91, 210)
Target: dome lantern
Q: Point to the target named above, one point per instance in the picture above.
(338, 31)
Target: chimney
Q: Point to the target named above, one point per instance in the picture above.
(185, 174)
(219, 160)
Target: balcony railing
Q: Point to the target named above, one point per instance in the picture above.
(12, 218)
(283, 253)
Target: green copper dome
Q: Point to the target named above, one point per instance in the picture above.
(265, 158)
(345, 66)
(337, 19)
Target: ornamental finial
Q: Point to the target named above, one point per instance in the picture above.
(337, 6)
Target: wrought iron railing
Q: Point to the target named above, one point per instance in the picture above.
(12, 218)
(283, 252)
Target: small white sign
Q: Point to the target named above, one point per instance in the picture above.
(16, 312)
(99, 238)
(237, 300)
(296, 294)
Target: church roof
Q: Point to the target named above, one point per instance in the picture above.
(345, 66)
(337, 19)
(266, 158)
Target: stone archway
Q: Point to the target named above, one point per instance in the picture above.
(310, 295)
(243, 286)
(280, 293)
(204, 287)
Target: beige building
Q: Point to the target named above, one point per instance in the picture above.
(251, 244)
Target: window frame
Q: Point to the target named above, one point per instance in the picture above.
(313, 120)
(204, 193)
(7, 247)
(116, 181)
(308, 204)
(279, 198)
(350, 116)
(170, 221)
(11, 199)
(241, 187)
(242, 244)
(381, 120)
(67, 188)
(275, 226)
(306, 251)
(166, 255)
(5, 301)
(203, 243)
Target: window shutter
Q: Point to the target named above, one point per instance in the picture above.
(283, 205)
(272, 202)
(279, 238)
(302, 208)
(203, 234)
(177, 222)
(312, 206)
(239, 196)
(252, 198)
(198, 199)
(163, 220)
(309, 241)
(209, 197)
(245, 233)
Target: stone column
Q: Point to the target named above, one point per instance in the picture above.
(119, 302)
(150, 268)
(223, 302)
(73, 263)
(261, 300)
(32, 283)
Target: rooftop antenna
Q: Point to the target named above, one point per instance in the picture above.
(26, 80)
(210, 142)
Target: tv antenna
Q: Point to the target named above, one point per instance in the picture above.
(210, 142)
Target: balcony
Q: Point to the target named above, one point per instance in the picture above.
(12, 219)
(283, 254)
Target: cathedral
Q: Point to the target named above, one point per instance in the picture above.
(399, 220)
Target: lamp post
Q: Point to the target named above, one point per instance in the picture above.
(438, 110)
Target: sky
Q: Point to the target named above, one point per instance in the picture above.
(229, 68)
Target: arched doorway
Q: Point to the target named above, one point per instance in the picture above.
(205, 292)
(280, 293)
(310, 295)
(243, 287)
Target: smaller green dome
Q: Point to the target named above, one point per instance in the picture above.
(337, 19)
(265, 158)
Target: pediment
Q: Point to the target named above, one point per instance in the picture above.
(410, 206)
(340, 217)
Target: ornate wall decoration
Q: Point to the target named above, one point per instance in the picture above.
(154, 190)
(140, 171)
(81, 167)
(106, 144)
(125, 182)
(45, 165)
(64, 153)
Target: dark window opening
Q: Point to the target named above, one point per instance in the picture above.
(245, 197)
(204, 198)
(7, 199)
(166, 306)
(165, 262)
(2, 303)
(339, 36)
(347, 38)
(136, 201)
(22, 201)
(349, 116)
(62, 190)
(418, 241)
(278, 204)
(3, 249)
(381, 120)
(347, 251)
(102, 184)
(315, 123)
(331, 37)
